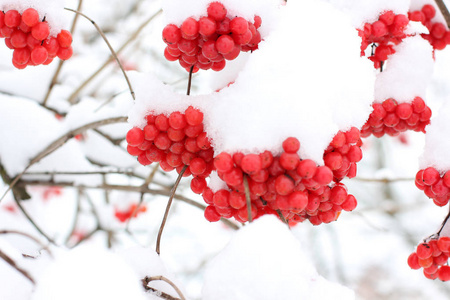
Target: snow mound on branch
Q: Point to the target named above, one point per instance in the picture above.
(265, 261)
(408, 71)
(362, 11)
(52, 10)
(248, 9)
(88, 273)
(284, 89)
(437, 142)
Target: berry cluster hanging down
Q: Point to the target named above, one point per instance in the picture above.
(392, 118)
(432, 256)
(29, 38)
(439, 36)
(206, 43)
(434, 184)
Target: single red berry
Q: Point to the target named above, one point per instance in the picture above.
(12, 18)
(218, 66)
(223, 162)
(217, 11)
(173, 160)
(211, 214)
(175, 135)
(223, 27)
(338, 194)
(446, 179)
(323, 175)
(206, 26)
(236, 200)
(64, 53)
(177, 120)
(444, 244)
(424, 251)
(387, 17)
(429, 11)
(209, 49)
(291, 145)
(350, 203)
(197, 166)
(18, 39)
(233, 53)
(404, 111)
(64, 38)
(30, 17)
(162, 141)
(238, 25)
(444, 273)
(234, 177)
(284, 185)
(162, 122)
(430, 176)
(439, 189)
(251, 163)
(257, 21)
(379, 29)
(220, 198)
(289, 161)
(242, 39)
(190, 27)
(224, 44)
(40, 31)
(298, 200)
(333, 160)
(135, 136)
(193, 116)
(171, 34)
(39, 55)
(306, 168)
(50, 44)
(21, 56)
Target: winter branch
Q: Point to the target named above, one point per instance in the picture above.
(444, 11)
(147, 280)
(13, 264)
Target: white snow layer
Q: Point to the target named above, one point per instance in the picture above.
(264, 261)
(283, 90)
(52, 10)
(408, 72)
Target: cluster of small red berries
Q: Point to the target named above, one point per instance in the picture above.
(439, 36)
(343, 153)
(392, 118)
(207, 42)
(434, 185)
(29, 38)
(132, 211)
(284, 185)
(174, 141)
(432, 256)
(387, 31)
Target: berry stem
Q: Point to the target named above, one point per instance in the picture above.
(444, 11)
(282, 218)
(147, 280)
(248, 199)
(166, 213)
(443, 223)
(61, 62)
(189, 81)
(114, 54)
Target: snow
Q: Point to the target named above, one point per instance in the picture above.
(252, 117)
(408, 72)
(52, 10)
(274, 267)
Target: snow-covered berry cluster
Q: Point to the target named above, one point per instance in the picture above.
(392, 118)
(387, 31)
(432, 256)
(434, 185)
(285, 185)
(173, 141)
(29, 38)
(206, 43)
(439, 36)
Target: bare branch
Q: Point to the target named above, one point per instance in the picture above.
(13, 264)
(444, 11)
(28, 236)
(249, 201)
(147, 280)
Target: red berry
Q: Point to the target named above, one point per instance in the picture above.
(424, 251)
(218, 66)
(284, 185)
(177, 120)
(444, 244)
(39, 55)
(444, 273)
(217, 11)
(418, 105)
(135, 136)
(429, 11)
(30, 17)
(65, 53)
(198, 185)
(224, 44)
(64, 38)
(233, 54)
(438, 30)
(323, 175)
(251, 163)
(439, 189)
(223, 162)
(21, 56)
(379, 29)
(162, 123)
(333, 160)
(12, 18)
(40, 31)
(162, 141)
(387, 17)
(291, 145)
(209, 49)
(234, 177)
(350, 203)
(404, 111)
(298, 200)
(190, 27)
(50, 44)
(171, 34)
(306, 168)
(289, 161)
(257, 21)
(430, 176)
(206, 26)
(197, 166)
(238, 25)
(18, 39)
(237, 200)
(211, 214)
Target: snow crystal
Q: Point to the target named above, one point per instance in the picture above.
(88, 273)
(408, 71)
(52, 10)
(282, 91)
(265, 261)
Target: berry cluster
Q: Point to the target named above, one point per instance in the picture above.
(439, 36)
(432, 256)
(207, 42)
(392, 118)
(434, 185)
(132, 211)
(285, 185)
(174, 141)
(29, 37)
(387, 31)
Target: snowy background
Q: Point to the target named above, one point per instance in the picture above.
(77, 191)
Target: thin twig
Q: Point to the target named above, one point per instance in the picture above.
(166, 213)
(13, 264)
(444, 11)
(61, 62)
(100, 31)
(383, 180)
(28, 236)
(162, 278)
(60, 142)
(132, 37)
(190, 81)
(248, 199)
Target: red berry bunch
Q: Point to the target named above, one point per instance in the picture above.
(439, 36)
(392, 118)
(284, 185)
(132, 211)
(207, 42)
(432, 256)
(29, 37)
(435, 185)
(174, 141)
(343, 153)
(387, 31)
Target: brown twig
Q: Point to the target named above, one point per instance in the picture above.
(383, 180)
(13, 264)
(132, 37)
(248, 199)
(444, 11)
(61, 141)
(61, 62)
(147, 280)
(166, 213)
(114, 54)
(28, 236)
